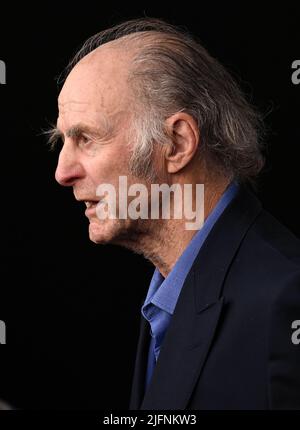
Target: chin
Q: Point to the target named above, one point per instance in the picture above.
(107, 231)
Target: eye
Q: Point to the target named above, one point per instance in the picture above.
(84, 140)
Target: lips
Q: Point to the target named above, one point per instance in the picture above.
(90, 208)
(90, 203)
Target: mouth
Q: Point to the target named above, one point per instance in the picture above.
(90, 203)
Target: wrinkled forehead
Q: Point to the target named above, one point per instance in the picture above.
(99, 80)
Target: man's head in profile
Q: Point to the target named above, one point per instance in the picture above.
(146, 101)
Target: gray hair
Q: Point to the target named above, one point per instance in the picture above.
(170, 72)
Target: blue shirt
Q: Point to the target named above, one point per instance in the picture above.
(163, 293)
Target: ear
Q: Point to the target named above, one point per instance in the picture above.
(184, 134)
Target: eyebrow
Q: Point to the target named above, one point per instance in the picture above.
(54, 134)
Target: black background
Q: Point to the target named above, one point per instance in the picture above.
(72, 308)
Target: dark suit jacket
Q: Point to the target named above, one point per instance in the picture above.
(229, 342)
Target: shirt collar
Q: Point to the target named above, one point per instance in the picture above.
(164, 292)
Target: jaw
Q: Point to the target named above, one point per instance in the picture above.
(110, 231)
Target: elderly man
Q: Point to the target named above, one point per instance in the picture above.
(146, 102)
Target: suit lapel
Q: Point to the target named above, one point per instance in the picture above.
(138, 384)
(183, 352)
(197, 313)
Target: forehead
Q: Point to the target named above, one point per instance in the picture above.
(97, 83)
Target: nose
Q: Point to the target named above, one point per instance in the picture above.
(69, 170)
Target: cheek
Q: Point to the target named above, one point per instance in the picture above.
(108, 169)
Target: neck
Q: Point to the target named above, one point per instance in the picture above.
(164, 240)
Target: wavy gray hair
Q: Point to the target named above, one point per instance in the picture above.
(170, 72)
